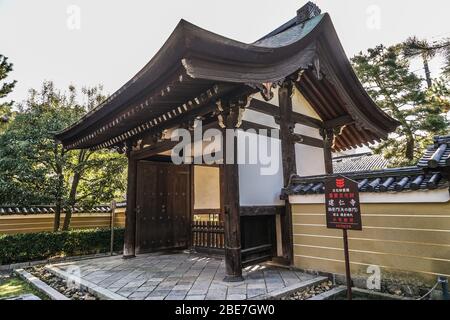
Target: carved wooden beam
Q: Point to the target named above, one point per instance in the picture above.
(273, 110)
(339, 122)
(154, 149)
(309, 141)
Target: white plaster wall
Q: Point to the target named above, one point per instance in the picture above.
(309, 160)
(307, 131)
(427, 196)
(301, 105)
(256, 188)
(261, 118)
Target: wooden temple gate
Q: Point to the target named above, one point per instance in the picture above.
(198, 75)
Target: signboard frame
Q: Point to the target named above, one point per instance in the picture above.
(343, 211)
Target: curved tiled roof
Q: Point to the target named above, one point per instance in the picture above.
(388, 180)
(8, 210)
(195, 67)
(437, 155)
(359, 162)
(431, 172)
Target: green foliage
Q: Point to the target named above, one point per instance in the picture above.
(5, 89)
(23, 247)
(34, 168)
(414, 47)
(386, 76)
(14, 286)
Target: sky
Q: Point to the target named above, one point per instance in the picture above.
(90, 42)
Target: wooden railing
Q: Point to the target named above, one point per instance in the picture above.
(208, 236)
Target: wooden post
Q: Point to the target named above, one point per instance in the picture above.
(328, 137)
(289, 163)
(230, 192)
(130, 214)
(113, 214)
(347, 265)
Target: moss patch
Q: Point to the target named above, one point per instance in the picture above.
(14, 286)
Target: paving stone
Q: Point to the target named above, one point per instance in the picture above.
(233, 291)
(256, 286)
(195, 297)
(140, 295)
(155, 298)
(181, 276)
(236, 297)
(198, 291)
(146, 288)
(174, 297)
(125, 293)
(159, 293)
(255, 292)
(214, 294)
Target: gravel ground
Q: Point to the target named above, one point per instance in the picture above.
(61, 285)
(310, 291)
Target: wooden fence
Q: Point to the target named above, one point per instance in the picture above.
(25, 223)
(208, 236)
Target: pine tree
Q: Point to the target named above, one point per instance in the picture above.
(385, 74)
(414, 47)
(5, 89)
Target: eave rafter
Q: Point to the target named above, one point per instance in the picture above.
(160, 122)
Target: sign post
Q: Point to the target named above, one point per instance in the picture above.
(343, 212)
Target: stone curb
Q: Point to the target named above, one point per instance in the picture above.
(276, 294)
(40, 285)
(21, 265)
(92, 288)
(328, 294)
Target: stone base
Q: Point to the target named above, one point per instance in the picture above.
(281, 261)
(231, 278)
(131, 256)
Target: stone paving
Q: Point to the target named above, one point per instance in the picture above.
(180, 276)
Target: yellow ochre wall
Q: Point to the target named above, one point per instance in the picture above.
(401, 238)
(44, 222)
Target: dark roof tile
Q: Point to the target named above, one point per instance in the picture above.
(10, 210)
(437, 155)
(359, 162)
(388, 180)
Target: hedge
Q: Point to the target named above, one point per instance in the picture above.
(24, 247)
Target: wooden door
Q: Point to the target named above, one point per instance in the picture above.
(162, 206)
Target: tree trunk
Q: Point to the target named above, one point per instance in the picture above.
(427, 71)
(410, 148)
(57, 216)
(73, 193)
(60, 187)
(73, 190)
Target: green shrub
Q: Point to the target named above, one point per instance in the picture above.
(23, 247)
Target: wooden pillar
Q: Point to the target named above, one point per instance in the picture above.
(328, 137)
(130, 214)
(230, 191)
(289, 163)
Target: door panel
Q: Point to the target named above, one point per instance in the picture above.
(163, 206)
